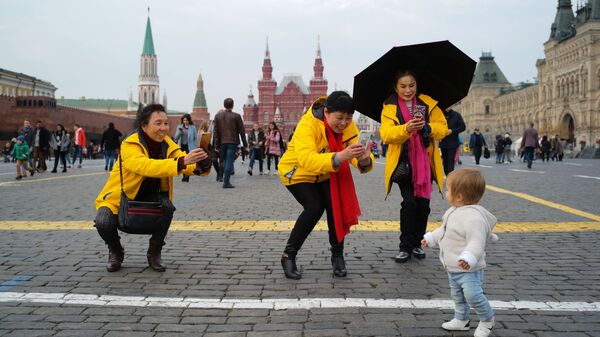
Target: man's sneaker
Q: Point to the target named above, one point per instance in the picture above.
(402, 257)
(250, 171)
(268, 172)
(261, 173)
(484, 328)
(456, 325)
(418, 252)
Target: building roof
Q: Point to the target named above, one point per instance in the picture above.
(488, 72)
(148, 42)
(10, 73)
(291, 78)
(200, 99)
(562, 27)
(101, 104)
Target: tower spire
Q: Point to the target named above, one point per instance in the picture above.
(318, 46)
(267, 52)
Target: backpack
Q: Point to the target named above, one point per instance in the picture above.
(281, 142)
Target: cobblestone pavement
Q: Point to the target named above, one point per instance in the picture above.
(229, 282)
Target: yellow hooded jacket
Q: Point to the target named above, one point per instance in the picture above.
(307, 158)
(394, 134)
(137, 165)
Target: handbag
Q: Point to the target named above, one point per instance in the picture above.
(143, 217)
(402, 173)
(486, 153)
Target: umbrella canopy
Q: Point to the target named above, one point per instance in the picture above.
(443, 72)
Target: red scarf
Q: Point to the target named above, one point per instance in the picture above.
(341, 185)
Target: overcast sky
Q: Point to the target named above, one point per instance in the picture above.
(92, 48)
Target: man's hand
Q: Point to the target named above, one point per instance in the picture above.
(195, 156)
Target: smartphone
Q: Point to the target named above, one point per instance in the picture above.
(205, 141)
(419, 112)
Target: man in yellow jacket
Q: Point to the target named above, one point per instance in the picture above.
(150, 159)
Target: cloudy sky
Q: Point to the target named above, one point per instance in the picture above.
(92, 48)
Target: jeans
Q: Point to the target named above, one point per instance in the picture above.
(499, 157)
(62, 155)
(77, 151)
(528, 155)
(109, 159)
(466, 292)
(506, 156)
(275, 158)
(228, 153)
(256, 154)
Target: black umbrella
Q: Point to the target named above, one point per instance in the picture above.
(443, 72)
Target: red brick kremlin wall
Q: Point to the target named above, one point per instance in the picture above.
(94, 123)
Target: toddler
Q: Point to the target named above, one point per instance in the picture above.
(466, 228)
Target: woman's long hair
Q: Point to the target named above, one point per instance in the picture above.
(275, 128)
(188, 117)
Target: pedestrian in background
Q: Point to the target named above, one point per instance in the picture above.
(28, 134)
(59, 141)
(41, 145)
(411, 123)
(529, 143)
(256, 145)
(557, 148)
(507, 149)
(315, 169)
(465, 231)
(273, 147)
(111, 140)
(79, 143)
(499, 148)
(149, 161)
(227, 131)
(186, 137)
(546, 148)
(477, 143)
(21, 152)
(6, 152)
(449, 145)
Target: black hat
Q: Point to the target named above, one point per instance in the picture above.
(339, 101)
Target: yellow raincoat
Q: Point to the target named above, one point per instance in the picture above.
(307, 158)
(137, 165)
(394, 134)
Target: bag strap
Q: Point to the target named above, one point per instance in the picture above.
(121, 169)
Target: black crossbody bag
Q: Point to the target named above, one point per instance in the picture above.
(143, 217)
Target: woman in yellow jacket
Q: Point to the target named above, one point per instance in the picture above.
(150, 160)
(411, 124)
(315, 169)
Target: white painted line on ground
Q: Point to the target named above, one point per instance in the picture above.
(278, 303)
(574, 164)
(588, 177)
(13, 173)
(517, 170)
(380, 163)
(483, 166)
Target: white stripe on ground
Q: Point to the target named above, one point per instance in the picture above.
(483, 166)
(380, 163)
(277, 303)
(517, 170)
(574, 164)
(588, 177)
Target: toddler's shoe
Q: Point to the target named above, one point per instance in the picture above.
(456, 325)
(484, 328)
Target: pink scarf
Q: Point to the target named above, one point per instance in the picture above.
(417, 156)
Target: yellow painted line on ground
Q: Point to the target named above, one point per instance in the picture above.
(286, 225)
(547, 203)
(27, 181)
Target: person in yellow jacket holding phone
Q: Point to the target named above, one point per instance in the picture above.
(411, 123)
(150, 160)
(315, 169)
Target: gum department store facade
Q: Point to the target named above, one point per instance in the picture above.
(566, 99)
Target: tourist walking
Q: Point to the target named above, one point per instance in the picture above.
(411, 123)
(529, 143)
(186, 137)
(111, 140)
(149, 159)
(476, 144)
(21, 152)
(41, 145)
(28, 133)
(78, 143)
(499, 148)
(465, 231)
(557, 148)
(273, 146)
(59, 141)
(315, 169)
(228, 129)
(449, 145)
(256, 144)
(546, 148)
(507, 149)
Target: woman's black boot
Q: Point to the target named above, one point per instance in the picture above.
(289, 267)
(337, 261)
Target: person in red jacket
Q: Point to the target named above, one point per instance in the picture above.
(78, 144)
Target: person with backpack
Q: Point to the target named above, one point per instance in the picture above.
(273, 146)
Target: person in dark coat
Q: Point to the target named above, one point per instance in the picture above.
(41, 146)
(529, 143)
(449, 144)
(546, 147)
(499, 145)
(111, 140)
(476, 143)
